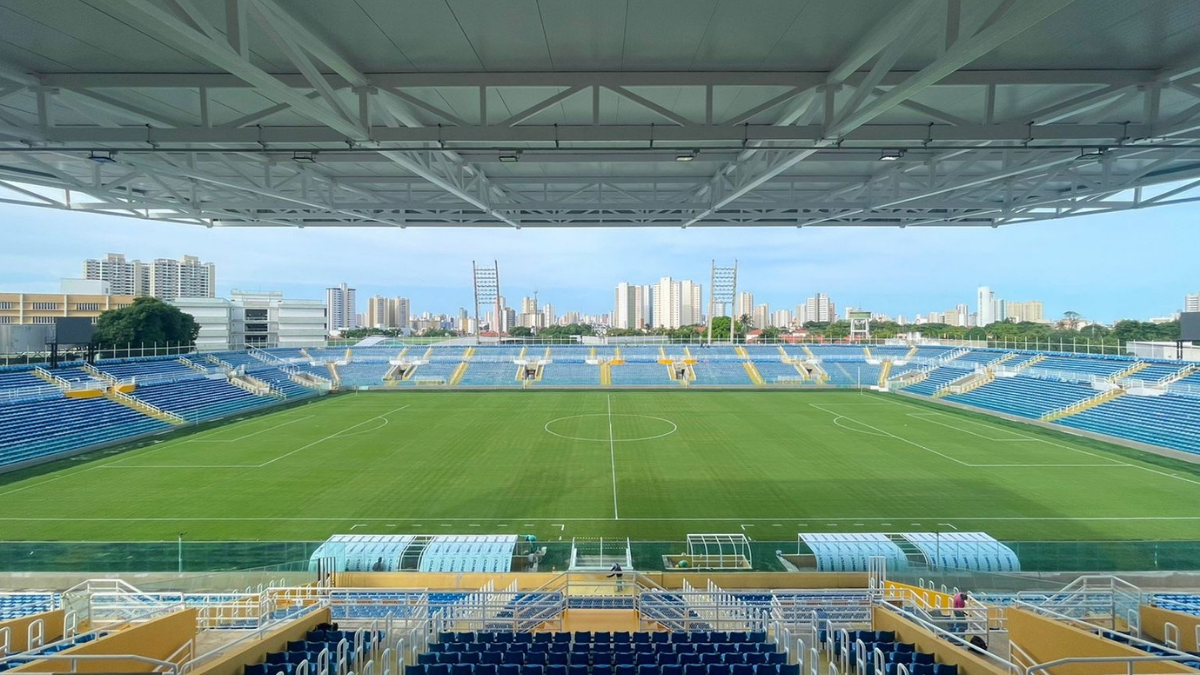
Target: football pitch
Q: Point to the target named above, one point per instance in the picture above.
(644, 465)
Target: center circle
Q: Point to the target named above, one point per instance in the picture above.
(625, 428)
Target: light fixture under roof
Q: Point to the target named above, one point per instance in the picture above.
(102, 157)
(304, 156)
(891, 155)
(511, 156)
(687, 156)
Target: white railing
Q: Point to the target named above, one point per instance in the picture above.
(145, 407)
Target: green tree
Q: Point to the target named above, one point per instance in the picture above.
(148, 321)
(520, 331)
(438, 332)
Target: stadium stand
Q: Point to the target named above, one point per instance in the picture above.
(359, 374)
(1168, 421)
(491, 374)
(560, 373)
(773, 371)
(201, 400)
(847, 374)
(166, 369)
(1024, 396)
(728, 373)
(641, 374)
(38, 429)
(937, 377)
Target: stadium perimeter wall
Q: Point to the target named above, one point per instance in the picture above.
(1153, 621)
(18, 629)
(527, 581)
(1189, 457)
(1045, 640)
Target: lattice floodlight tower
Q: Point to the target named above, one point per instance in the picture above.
(724, 289)
(860, 325)
(487, 294)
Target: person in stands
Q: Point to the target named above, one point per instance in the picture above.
(959, 607)
(617, 573)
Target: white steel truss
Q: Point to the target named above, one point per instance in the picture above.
(863, 144)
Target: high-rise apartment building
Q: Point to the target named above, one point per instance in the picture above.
(676, 303)
(781, 318)
(985, 306)
(761, 316)
(163, 278)
(818, 308)
(1191, 303)
(387, 313)
(341, 308)
(1025, 311)
(631, 306)
(123, 277)
(744, 305)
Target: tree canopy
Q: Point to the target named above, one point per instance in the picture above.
(147, 321)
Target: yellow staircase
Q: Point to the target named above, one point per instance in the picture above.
(883, 373)
(333, 374)
(755, 376)
(458, 373)
(592, 353)
(522, 354)
(911, 353)
(91, 370)
(783, 354)
(1139, 366)
(1007, 357)
(741, 351)
(546, 355)
(1086, 404)
(605, 373)
(818, 373)
(809, 352)
(867, 351)
(966, 383)
(349, 354)
(1031, 362)
(428, 353)
(1178, 375)
(305, 354)
(145, 408)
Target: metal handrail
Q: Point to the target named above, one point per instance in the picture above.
(1130, 661)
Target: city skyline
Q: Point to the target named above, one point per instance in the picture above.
(1074, 264)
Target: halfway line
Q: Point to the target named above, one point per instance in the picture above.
(612, 458)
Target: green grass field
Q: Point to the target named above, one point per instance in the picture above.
(647, 465)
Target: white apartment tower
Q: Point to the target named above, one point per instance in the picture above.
(631, 306)
(985, 306)
(818, 308)
(744, 306)
(676, 303)
(163, 278)
(341, 307)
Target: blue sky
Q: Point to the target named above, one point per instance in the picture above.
(1132, 265)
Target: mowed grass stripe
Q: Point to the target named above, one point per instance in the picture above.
(768, 463)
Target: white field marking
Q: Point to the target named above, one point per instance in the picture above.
(333, 435)
(1109, 462)
(612, 458)
(837, 421)
(899, 438)
(114, 465)
(960, 519)
(358, 525)
(1019, 438)
(610, 439)
(250, 435)
(948, 525)
(1057, 445)
(562, 527)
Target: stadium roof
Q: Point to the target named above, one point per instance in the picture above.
(570, 113)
